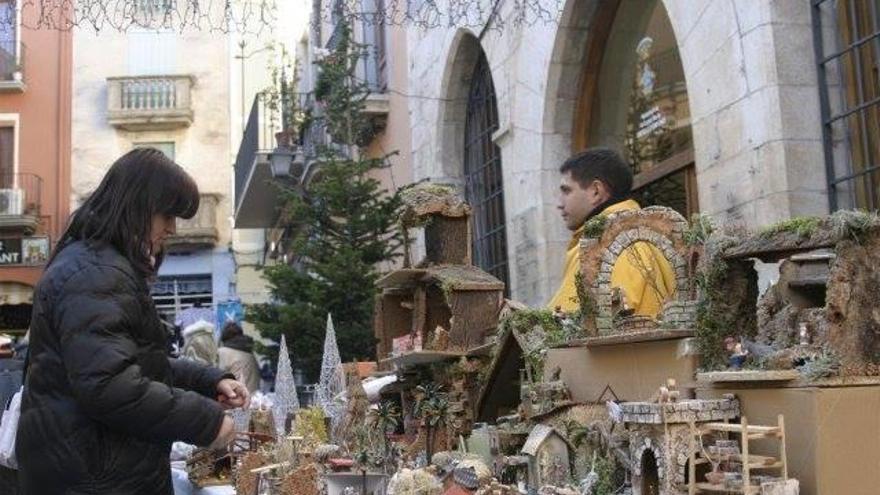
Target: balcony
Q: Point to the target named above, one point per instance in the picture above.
(20, 203)
(12, 67)
(256, 198)
(200, 231)
(149, 103)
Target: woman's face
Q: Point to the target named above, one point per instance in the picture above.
(162, 227)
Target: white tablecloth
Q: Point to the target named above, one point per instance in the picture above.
(182, 486)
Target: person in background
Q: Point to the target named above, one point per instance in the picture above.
(102, 401)
(237, 356)
(199, 344)
(598, 182)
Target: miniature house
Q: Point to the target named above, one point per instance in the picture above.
(445, 307)
(549, 457)
(825, 297)
(659, 440)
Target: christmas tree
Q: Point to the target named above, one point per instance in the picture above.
(286, 400)
(331, 387)
(342, 226)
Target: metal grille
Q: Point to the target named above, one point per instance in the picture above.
(484, 184)
(846, 36)
(172, 294)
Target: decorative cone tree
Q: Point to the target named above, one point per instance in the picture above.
(286, 399)
(342, 225)
(331, 386)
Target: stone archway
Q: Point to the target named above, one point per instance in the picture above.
(650, 484)
(575, 74)
(577, 55)
(658, 226)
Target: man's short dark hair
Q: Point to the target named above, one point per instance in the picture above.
(230, 330)
(603, 164)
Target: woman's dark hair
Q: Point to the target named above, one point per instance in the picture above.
(230, 330)
(141, 183)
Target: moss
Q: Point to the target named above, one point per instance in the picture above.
(853, 224)
(537, 330)
(608, 476)
(825, 365)
(699, 230)
(711, 326)
(586, 304)
(595, 226)
(310, 425)
(801, 226)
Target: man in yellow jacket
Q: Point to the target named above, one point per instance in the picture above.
(598, 182)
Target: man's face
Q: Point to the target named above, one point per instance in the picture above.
(576, 203)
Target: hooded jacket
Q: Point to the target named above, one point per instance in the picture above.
(102, 401)
(237, 357)
(199, 344)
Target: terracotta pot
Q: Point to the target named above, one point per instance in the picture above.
(283, 139)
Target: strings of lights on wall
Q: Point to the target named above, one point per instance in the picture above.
(255, 16)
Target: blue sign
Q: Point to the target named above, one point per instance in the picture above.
(229, 311)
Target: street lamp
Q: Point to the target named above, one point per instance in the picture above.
(287, 162)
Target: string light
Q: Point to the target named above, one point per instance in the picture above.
(255, 16)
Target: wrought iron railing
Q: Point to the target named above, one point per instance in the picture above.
(846, 38)
(12, 55)
(20, 194)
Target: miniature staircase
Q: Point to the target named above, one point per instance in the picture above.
(750, 462)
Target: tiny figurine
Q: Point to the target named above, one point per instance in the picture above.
(804, 334)
(737, 353)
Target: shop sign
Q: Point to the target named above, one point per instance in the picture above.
(26, 251)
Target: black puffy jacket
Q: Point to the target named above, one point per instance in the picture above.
(103, 402)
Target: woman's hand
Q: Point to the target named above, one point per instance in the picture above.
(225, 436)
(233, 394)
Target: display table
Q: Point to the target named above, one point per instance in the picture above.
(182, 485)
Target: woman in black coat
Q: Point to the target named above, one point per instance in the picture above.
(102, 401)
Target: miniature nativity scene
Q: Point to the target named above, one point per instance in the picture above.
(756, 374)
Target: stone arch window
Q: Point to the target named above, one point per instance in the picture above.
(634, 99)
(484, 184)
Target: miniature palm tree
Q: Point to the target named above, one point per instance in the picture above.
(385, 419)
(431, 407)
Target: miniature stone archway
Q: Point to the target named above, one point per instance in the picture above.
(607, 238)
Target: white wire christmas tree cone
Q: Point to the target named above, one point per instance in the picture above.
(286, 399)
(331, 386)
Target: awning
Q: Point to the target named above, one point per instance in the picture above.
(13, 293)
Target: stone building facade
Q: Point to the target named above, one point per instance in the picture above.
(742, 114)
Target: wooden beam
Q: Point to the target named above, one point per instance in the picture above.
(663, 169)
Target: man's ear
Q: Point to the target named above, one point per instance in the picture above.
(598, 189)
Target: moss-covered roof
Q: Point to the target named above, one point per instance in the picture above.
(804, 233)
(450, 277)
(426, 199)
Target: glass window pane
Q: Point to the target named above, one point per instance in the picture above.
(483, 177)
(641, 106)
(164, 147)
